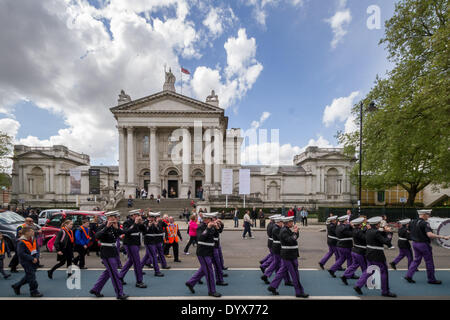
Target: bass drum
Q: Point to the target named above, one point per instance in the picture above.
(441, 226)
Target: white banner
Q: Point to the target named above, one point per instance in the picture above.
(227, 181)
(244, 181)
(75, 181)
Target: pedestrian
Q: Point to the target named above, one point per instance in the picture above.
(205, 252)
(404, 236)
(236, 217)
(64, 244)
(376, 240)
(164, 193)
(4, 250)
(421, 235)
(108, 234)
(304, 215)
(28, 253)
(192, 232)
(247, 225)
(344, 233)
(254, 216)
(173, 236)
(132, 241)
(33, 215)
(189, 193)
(14, 262)
(160, 248)
(289, 259)
(331, 241)
(130, 201)
(151, 231)
(82, 239)
(261, 218)
(264, 263)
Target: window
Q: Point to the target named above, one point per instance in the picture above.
(380, 196)
(146, 146)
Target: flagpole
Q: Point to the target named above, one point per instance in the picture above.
(181, 77)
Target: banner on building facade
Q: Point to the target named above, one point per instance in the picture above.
(227, 181)
(94, 181)
(244, 181)
(75, 181)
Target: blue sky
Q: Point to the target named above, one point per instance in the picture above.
(58, 97)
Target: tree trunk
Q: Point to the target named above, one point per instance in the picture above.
(412, 193)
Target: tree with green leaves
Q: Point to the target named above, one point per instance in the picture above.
(5, 153)
(406, 140)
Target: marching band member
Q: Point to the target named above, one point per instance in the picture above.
(344, 234)
(404, 237)
(217, 263)
(132, 241)
(264, 263)
(331, 241)
(375, 240)
(108, 234)
(289, 259)
(64, 244)
(82, 240)
(421, 235)
(151, 232)
(160, 243)
(358, 251)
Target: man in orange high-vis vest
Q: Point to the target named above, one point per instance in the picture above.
(173, 236)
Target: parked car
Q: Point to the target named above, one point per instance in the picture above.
(53, 225)
(46, 215)
(9, 222)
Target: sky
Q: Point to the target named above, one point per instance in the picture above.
(293, 65)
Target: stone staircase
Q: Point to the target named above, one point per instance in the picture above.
(172, 207)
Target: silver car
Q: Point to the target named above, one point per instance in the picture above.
(46, 215)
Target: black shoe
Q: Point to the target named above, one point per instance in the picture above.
(332, 273)
(16, 290)
(13, 270)
(221, 283)
(344, 280)
(390, 295)
(261, 262)
(50, 274)
(176, 260)
(393, 266)
(265, 279)
(144, 273)
(354, 277)
(303, 295)
(262, 269)
(7, 276)
(123, 281)
(321, 266)
(358, 290)
(123, 297)
(289, 284)
(97, 294)
(224, 268)
(41, 266)
(83, 268)
(36, 295)
(435, 282)
(225, 275)
(273, 290)
(410, 280)
(159, 274)
(191, 287)
(215, 294)
(200, 282)
(141, 285)
(166, 267)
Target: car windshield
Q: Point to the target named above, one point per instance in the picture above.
(9, 217)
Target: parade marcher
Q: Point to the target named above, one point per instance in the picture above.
(151, 232)
(344, 233)
(205, 252)
(376, 238)
(28, 223)
(28, 253)
(331, 241)
(160, 243)
(82, 239)
(276, 251)
(269, 258)
(192, 231)
(64, 244)
(358, 251)
(421, 235)
(93, 228)
(132, 241)
(4, 250)
(217, 262)
(289, 259)
(404, 237)
(107, 234)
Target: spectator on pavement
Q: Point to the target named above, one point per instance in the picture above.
(247, 225)
(304, 216)
(236, 217)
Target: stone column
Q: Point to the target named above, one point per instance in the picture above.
(122, 156)
(130, 155)
(21, 174)
(218, 155)
(52, 179)
(186, 163)
(208, 161)
(155, 183)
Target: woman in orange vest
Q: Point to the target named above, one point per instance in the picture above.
(64, 244)
(4, 250)
(173, 236)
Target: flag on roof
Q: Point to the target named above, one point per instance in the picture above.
(185, 70)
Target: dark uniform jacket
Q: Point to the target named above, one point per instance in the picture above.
(162, 225)
(419, 229)
(108, 235)
(375, 240)
(152, 233)
(62, 241)
(276, 244)
(217, 233)
(132, 233)
(403, 233)
(289, 244)
(345, 234)
(331, 232)
(205, 240)
(359, 241)
(269, 234)
(25, 256)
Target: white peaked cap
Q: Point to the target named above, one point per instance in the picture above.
(375, 220)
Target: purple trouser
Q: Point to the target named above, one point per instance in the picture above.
(160, 253)
(404, 252)
(267, 260)
(217, 265)
(119, 263)
(151, 257)
(422, 250)
(110, 272)
(205, 270)
(221, 257)
(344, 254)
(288, 267)
(275, 266)
(383, 273)
(133, 259)
(331, 250)
(358, 260)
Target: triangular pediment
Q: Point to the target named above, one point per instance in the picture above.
(36, 155)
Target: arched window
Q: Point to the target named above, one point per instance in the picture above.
(172, 173)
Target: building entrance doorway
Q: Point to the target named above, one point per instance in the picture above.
(172, 188)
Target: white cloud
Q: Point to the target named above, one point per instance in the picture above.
(339, 110)
(9, 126)
(339, 23)
(264, 116)
(260, 7)
(217, 19)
